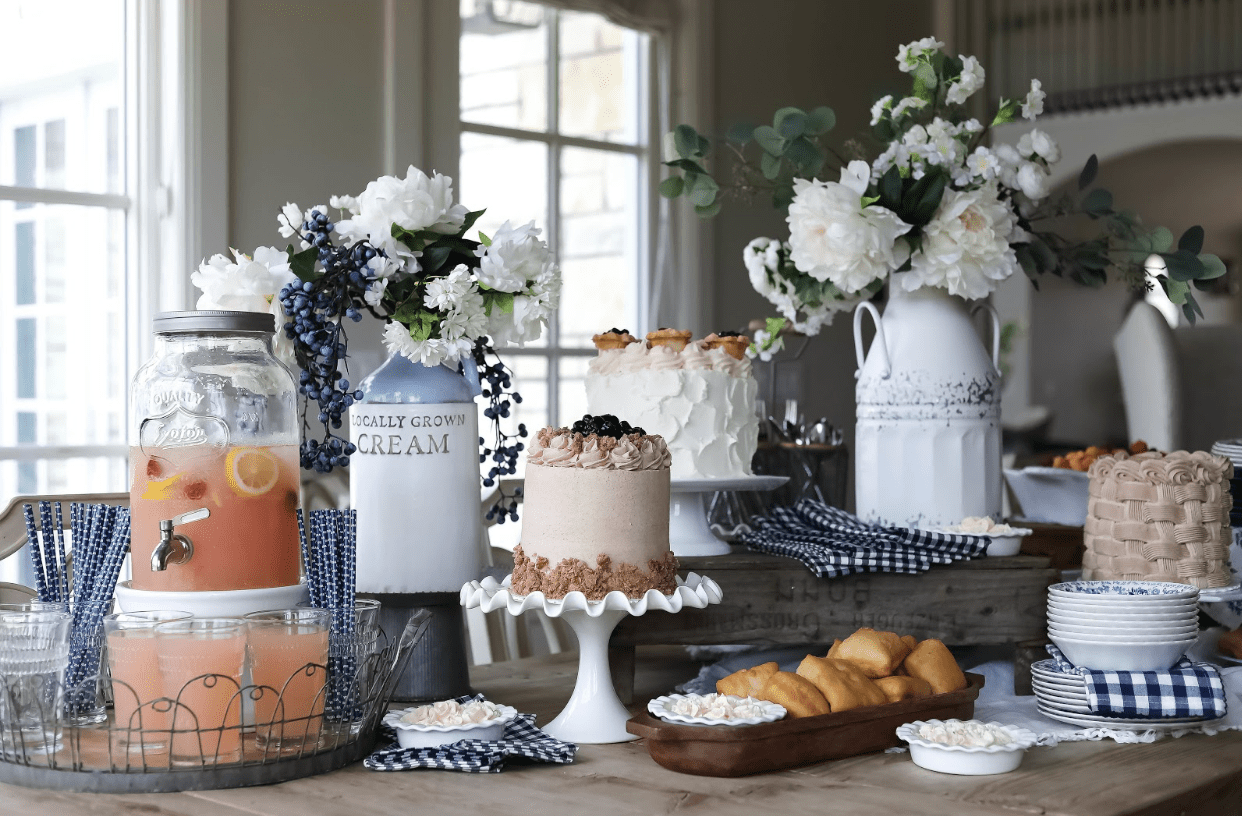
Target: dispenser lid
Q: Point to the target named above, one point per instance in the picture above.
(214, 321)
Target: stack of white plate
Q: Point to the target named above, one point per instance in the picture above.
(1123, 625)
(1064, 697)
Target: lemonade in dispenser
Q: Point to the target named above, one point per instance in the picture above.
(213, 436)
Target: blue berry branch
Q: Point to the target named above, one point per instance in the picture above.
(504, 448)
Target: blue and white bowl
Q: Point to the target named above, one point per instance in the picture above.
(1123, 591)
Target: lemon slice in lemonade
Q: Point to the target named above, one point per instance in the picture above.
(251, 471)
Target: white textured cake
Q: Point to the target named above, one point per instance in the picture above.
(699, 396)
(595, 515)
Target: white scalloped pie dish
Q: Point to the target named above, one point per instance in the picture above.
(410, 735)
(963, 760)
(659, 707)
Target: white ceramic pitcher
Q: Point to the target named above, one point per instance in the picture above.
(928, 437)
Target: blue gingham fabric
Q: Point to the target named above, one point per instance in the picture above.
(1186, 690)
(832, 542)
(521, 739)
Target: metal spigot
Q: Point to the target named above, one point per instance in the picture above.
(175, 548)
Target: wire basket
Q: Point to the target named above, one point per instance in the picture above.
(161, 746)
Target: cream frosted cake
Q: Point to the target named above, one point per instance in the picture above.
(596, 512)
(699, 396)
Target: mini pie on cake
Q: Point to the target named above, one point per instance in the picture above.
(596, 513)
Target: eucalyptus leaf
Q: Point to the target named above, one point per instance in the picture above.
(1213, 267)
(1176, 290)
(1191, 308)
(704, 192)
(820, 121)
(709, 210)
(686, 140)
(1045, 259)
(769, 140)
(770, 166)
(792, 125)
(1192, 240)
(705, 146)
(806, 155)
(1161, 239)
(1026, 259)
(1098, 202)
(1183, 265)
(687, 165)
(672, 186)
(741, 133)
(1089, 171)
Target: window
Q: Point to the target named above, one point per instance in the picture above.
(555, 129)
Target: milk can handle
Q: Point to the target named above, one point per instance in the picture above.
(996, 332)
(879, 339)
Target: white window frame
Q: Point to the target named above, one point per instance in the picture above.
(176, 153)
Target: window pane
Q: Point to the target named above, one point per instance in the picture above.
(504, 64)
(24, 261)
(599, 89)
(61, 69)
(598, 243)
(25, 363)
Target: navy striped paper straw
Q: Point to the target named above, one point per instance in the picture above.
(62, 569)
(36, 553)
(306, 566)
(49, 551)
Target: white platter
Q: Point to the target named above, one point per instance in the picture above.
(735, 483)
(659, 707)
(1091, 721)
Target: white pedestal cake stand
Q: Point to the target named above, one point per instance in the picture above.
(688, 530)
(594, 714)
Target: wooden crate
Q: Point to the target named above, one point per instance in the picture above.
(775, 601)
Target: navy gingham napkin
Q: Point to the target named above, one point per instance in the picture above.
(521, 739)
(1186, 690)
(832, 542)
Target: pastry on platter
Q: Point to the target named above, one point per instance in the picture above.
(878, 654)
(932, 661)
(798, 695)
(898, 688)
(843, 684)
(747, 682)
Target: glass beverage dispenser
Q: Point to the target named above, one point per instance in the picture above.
(213, 437)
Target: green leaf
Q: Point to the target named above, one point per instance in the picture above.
(790, 122)
(1192, 240)
(1006, 112)
(867, 201)
(709, 210)
(686, 140)
(1191, 308)
(405, 236)
(820, 121)
(433, 258)
(704, 192)
(471, 217)
(687, 165)
(500, 300)
(929, 198)
(770, 165)
(1045, 258)
(775, 325)
(672, 186)
(741, 133)
(303, 263)
(1026, 259)
(1098, 202)
(769, 140)
(1213, 267)
(884, 131)
(1183, 265)
(806, 156)
(925, 82)
(1160, 239)
(423, 326)
(484, 239)
(1088, 173)
(890, 188)
(1175, 290)
(704, 145)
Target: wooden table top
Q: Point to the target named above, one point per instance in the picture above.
(1191, 775)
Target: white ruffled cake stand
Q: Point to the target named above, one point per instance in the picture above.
(688, 530)
(594, 714)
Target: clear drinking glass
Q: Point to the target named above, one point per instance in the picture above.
(84, 684)
(34, 652)
(201, 662)
(142, 714)
(289, 665)
(34, 606)
(353, 658)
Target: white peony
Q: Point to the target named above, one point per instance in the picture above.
(245, 284)
(290, 220)
(1039, 143)
(970, 81)
(1033, 180)
(417, 202)
(833, 237)
(515, 257)
(908, 55)
(1033, 106)
(966, 246)
(530, 310)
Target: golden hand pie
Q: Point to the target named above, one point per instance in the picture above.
(1230, 643)
(836, 647)
(876, 653)
(798, 695)
(932, 661)
(747, 682)
(898, 688)
(842, 683)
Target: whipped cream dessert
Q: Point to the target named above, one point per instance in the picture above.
(716, 706)
(700, 398)
(596, 512)
(968, 733)
(980, 525)
(451, 712)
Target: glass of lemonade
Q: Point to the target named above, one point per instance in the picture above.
(213, 426)
(288, 662)
(201, 662)
(141, 712)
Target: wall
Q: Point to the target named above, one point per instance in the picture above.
(805, 53)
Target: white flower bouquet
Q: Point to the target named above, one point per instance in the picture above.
(941, 205)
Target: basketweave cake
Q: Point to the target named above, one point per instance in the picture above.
(698, 395)
(596, 512)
